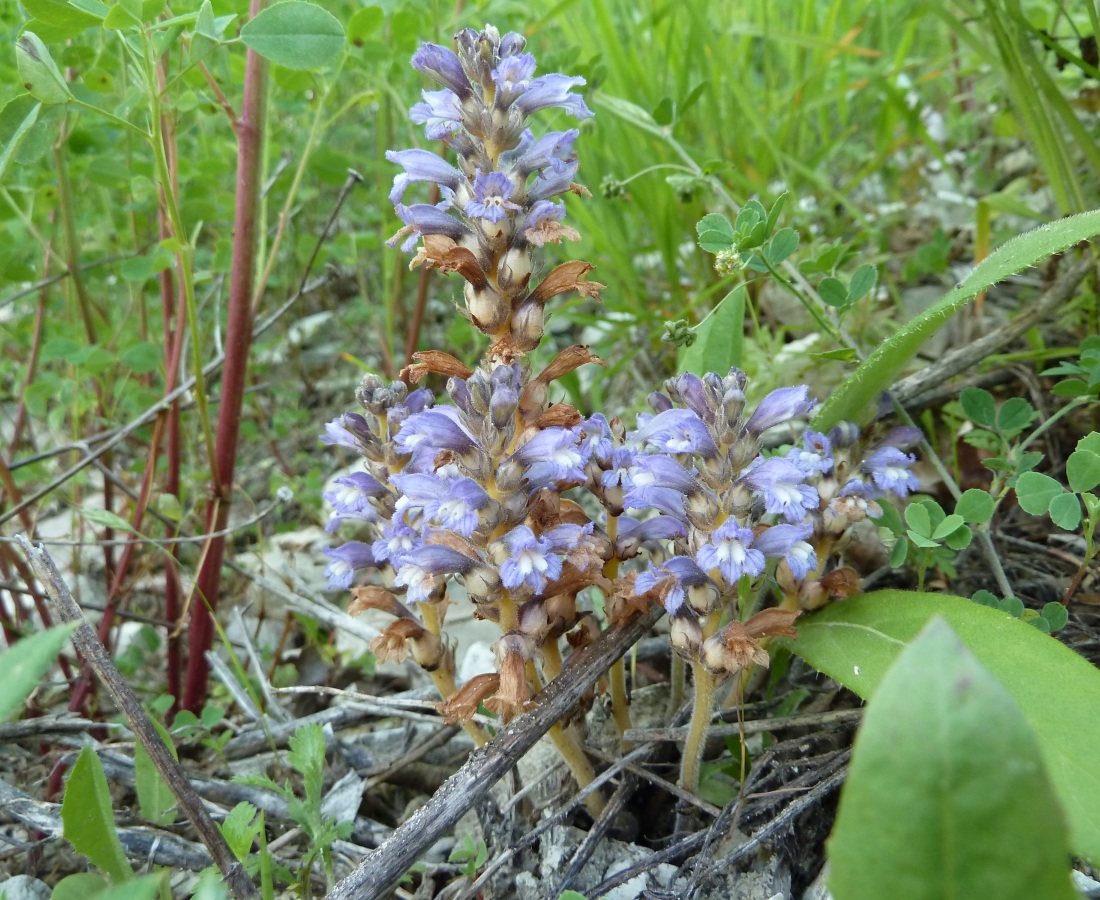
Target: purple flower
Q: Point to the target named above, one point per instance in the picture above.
(354, 493)
(788, 542)
(815, 454)
(622, 461)
(781, 484)
(668, 500)
(779, 406)
(730, 551)
(688, 389)
(512, 77)
(889, 469)
(632, 533)
(423, 218)
(422, 566)
(553, 91)
(595, 443)
(396, 541)
(538, 154)
(490, 201)
(552, 455)
(421, 165)
(344, 431)
(531, 563)
(686, 574)
(442, 66)
(435, 429)
(657, 470)
(439, 113)
(554, 179)
(677, 431)
(456, 509)
(344, 561)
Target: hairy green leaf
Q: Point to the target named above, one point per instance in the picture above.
(88, 820)
(947, 795)
(854, 641)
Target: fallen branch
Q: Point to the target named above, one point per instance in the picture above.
(487, 765)
(85, 640)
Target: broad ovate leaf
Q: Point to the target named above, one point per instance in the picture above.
(947, 795)
(855, 641)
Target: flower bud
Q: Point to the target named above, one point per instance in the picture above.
(527, 325)
(686, 636)
(486, 307)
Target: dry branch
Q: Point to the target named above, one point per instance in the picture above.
(382, 869)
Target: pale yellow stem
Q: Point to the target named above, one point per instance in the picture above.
(444, 679)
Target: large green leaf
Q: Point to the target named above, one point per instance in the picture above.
(22, 667)
(718, 337)
(88, 818)
(855, 399)
(296, 34)
(855, 641)
(947, 795)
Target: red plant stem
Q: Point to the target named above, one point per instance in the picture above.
(32, 367)
(238, 337)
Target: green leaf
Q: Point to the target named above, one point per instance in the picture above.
(81, 886)
(87, 818)
(122, 17)
(1056, 615)
(854, 641)
(240, 828)
(986, 598)
(1083, 470)
(156, 802)
(664, 112)
(899, 553)
(947, 527)
(1015, 415)
(206, 36)
(108, 519)
(855, 397)
(863, 282)
(960, 538)
(975, 506)
(918, 518)
(147, 887)
(56, 20)
(24, 664)
(296, 34)
(715, 233)
(947, 795)
(718, 338)
(38, 71)
(782, 245)
(979, 406)
(1035, 490)
(307, 757)
(833, 292)
(142, 358)
(1090, 442)
(27, 129)
(364, 22)
(1065, 511)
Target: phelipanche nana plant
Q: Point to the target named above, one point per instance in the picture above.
(488, 491)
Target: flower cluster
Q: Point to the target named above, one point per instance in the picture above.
(497, 204)
(527, 504)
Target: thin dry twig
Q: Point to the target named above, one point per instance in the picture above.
(835, 718)
(85, 640)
